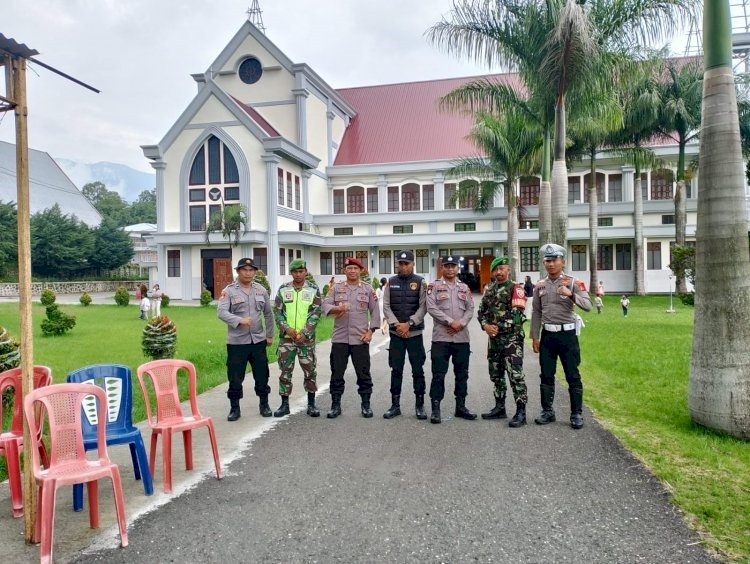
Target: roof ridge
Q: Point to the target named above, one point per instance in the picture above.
(488, 75)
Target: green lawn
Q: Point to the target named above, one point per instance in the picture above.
(635, 373)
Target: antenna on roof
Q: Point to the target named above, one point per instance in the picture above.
(255, 16)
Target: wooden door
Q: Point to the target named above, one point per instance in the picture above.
(222, 275)
(485, 274)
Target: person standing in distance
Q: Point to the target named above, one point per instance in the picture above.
(404, 307)
(355, 307)
(451, 305)
(297, 309)
(553, 333)
(501, 316)
(245, 307)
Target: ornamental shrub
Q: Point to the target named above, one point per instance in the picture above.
(48, 297)
(57, 322)
(206, 298)
(85, 299)
(260, 278)
(10, 351)
(164, 300)
(159, 338)
(122, 296)
(325, 290)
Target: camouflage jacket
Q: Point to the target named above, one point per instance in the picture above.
(495, 308)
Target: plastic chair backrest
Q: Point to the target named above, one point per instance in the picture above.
(115, 380)
(163, 376)
(63, 407)
(12, 379)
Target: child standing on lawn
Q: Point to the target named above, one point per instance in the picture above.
(145, 306)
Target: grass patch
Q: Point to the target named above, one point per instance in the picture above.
(635, 373)
(112, 334)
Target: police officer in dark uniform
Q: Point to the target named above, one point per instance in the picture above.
(355, 306)
(451, 305)
(245, 307)
(553, 333)
(404, 307)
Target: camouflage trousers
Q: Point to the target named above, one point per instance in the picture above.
(505, 356)
(305, 353)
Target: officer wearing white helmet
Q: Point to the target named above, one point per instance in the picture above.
(553, 333)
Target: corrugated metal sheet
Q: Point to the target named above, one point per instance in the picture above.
(402, 123)
(48, 185)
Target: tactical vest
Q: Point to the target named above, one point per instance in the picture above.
(404, 297)
(297, 305)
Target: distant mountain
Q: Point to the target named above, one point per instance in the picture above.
(126, 181)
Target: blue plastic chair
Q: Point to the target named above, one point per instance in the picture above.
(115, 380)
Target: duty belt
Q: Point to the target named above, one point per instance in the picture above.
(556, 328)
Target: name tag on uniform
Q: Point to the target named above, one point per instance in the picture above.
(441, 295)
(237, 300)
(340, 297)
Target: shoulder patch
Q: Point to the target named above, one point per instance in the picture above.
(223, 294)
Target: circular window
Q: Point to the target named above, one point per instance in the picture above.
(250, 70)
(214, 194)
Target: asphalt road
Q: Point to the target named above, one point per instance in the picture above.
(371, 490)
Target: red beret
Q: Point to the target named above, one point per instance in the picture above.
(351, 261)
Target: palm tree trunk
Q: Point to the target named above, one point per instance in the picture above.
(511, 204)
(719, 388)
(640, 287)
(559, 180)
(545, 199)
(680, 221)
(593, 224)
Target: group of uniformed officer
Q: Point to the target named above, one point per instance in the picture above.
(245, 307)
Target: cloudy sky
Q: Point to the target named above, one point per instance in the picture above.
(140, 54)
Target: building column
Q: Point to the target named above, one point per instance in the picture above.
(306, 215)
(300, 98)
(382, 184)
(159, 167)
(439, 183)
(329, 135)
(272, 235)
(628, 180)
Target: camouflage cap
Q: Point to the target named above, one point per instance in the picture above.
(497, 261)
(297, 264)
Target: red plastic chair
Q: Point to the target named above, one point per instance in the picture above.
(169, 417)
(63, 406)
(11, 441)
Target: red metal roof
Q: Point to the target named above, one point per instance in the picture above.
(257, 118)
(402, 123)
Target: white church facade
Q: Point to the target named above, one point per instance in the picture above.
(325, 173)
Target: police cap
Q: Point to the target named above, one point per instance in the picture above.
(552, 251)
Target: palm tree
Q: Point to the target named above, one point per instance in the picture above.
(719, 387)
(228, 222)
(512, 147)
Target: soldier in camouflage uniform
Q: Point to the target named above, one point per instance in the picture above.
(297, 310)
(501, 315)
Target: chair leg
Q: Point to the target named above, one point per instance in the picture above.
(119, 505)
(47, 518)
(44, 454)
(93, 489)
(14, 478)
(142, 462)
(152, 453)
(187, 441)
(166, 453)
(134, 458)
(77, 497)
(214, 448)
(38, 526)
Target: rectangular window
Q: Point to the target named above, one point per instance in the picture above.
(578, 256)
(173, 264)
(529, 259)
(260, 258)
(667, 220)
(574, 190)
(529, 192)
(198, 170)
(326, 263)
(410, 197)
(339, 257)
(338, 201)
(297, 193)
(214, 160)
(372, 200)
(529, 224)
(282, 261)
(400, 229)
(198, 195)
(605, 222)
(615, 187)
(423, 260)
(653, 256)
(355, 200)
(644, 186)
(232, 193)
(384, 262)
(428, 198)
(623, 256)
(197, 218)
(289, 187)
(343, 231)
(280, 187)
(604, 257)
(464, 227)
(393, 199)
(449, 193)
(214, 212)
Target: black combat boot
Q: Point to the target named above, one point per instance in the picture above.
(461, 410)
(519, 419)
(234, 409)
(497, 412)
(548, 396)
(335, 406)
(312, 411)
(264, 408)
(435, 417)
(576, 406)
(366, 411)
(283, 408)
(419, 407)
(395, 408)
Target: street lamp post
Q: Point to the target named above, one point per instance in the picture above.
(671, 309)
